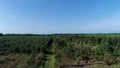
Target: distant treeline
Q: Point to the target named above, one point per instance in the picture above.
(1, 34)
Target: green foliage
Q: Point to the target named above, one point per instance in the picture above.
(1, 34)
(77, 54)
(67, 49)
(30, 60)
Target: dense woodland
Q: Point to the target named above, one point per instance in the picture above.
(59, 50)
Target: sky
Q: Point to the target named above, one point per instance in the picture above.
(59, 16)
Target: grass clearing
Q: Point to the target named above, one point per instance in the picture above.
(50, 60)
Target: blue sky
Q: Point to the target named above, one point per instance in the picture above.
(59, 16)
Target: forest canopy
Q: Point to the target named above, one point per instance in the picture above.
(66, 50)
